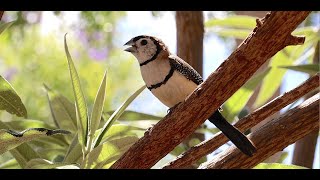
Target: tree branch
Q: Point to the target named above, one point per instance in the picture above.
(274, 136)
(245, 123)
(304, 149)
(264, 42)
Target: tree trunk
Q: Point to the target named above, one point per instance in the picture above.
(304, 149)
(190, 31)
(272, 137)
(271, 35)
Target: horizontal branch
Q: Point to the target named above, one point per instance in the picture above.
(206, 147)
(264, 42)
(274, 136)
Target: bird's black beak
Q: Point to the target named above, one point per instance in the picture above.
(131, 49)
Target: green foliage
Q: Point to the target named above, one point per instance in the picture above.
(116, 115)
(81, 107)
(9, 99)
(44, 164)
(243, 22)
(62, 110)
(133, 116)
(104, 155)
(96, 114)
(291, 57)
(10, 139)
(239, 99)
(72, 152)
(102, 150)
(306, 68)
(4, 26)
(277, 166)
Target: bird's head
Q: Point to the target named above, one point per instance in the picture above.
(145, 47)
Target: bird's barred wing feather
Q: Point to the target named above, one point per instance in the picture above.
(185, 69)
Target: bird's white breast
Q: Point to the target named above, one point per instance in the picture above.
(176, 89)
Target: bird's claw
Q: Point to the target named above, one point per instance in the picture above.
(172, 108)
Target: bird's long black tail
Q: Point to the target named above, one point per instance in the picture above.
(236, 137)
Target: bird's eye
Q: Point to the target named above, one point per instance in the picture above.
(144, 42)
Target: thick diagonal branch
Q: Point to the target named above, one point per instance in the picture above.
(246, 123)
(264, 42)
(274, 136)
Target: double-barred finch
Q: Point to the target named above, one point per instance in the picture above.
(171, 80)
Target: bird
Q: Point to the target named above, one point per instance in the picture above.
(172, 80)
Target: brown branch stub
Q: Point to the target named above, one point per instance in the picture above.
(294, 40)
(218, 87)
(258, 22)
(272, 137)
(246, 123)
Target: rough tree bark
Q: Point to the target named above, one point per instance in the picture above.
(245, 123)
(272, 137)
(271, 35)
(190, 31)
(250, 106)
(304, 149)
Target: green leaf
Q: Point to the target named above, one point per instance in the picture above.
(205, 130)
(232, 33)
(43, 164)
(10, 139)
(143, 124)
(62, 110)
(133, 116)
(5, 26)
(283, 156)
(22, 153)
(277, 166)
(81, 107)
(246, 22)
(116, 115)
(101, 155)
(119, 130)
(239, 99)
(10, 164)
(43, 142)
(273, 80)
(9, 99)
(97, 109)
(307, 68)
(26, 123)
(74, 152)
(178, 150)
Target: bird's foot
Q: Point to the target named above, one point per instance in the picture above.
(148, 131)
(172, 108)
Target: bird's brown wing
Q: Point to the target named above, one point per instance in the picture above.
(185, 69)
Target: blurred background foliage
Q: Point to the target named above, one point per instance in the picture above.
(30, 57)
